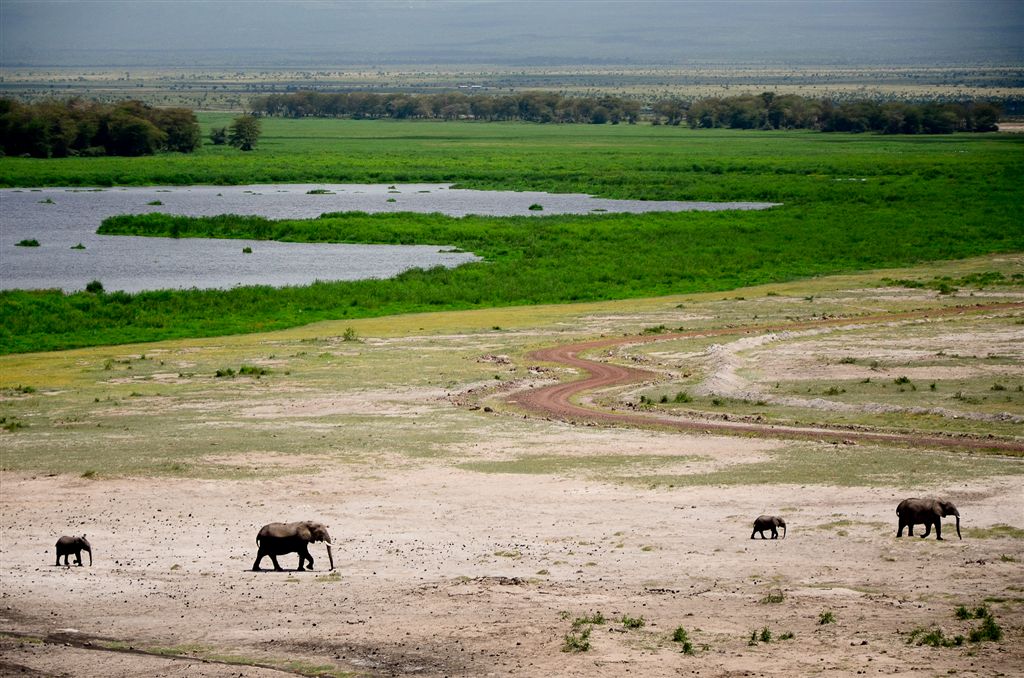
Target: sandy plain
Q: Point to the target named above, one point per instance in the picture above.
(471, 535)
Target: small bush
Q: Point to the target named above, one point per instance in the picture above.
(319, 191)
(989, 630)
(536, 208)
(901, 380)
(788, 635)
(224, 372)
(79, 246)
(246, 250)
(94, 287)
(349, 335)
(155, 202)
(680, 636)
(28, 242)
(774, 596)
(826, 617)
(595, 618)
(577, 642)
(633, 622)
(253, 371)
(765, 636)
(683, 397)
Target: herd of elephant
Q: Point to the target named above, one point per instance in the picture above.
(276, 539)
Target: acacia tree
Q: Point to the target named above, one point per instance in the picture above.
(243, 132)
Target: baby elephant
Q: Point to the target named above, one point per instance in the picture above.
(772, 523)
(68, 545)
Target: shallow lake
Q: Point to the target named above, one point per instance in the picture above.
(60, 219)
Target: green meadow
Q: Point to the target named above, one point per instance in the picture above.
(849, 203)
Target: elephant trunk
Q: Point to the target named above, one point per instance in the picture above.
(783, 530)
(330, 556)
(957, 514)
(89, 551)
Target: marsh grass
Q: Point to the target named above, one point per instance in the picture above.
(943, 198)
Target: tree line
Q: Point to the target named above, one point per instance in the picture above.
(528, 106)
(764, 111)
(57, 129)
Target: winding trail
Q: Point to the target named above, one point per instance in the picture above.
(557, 401)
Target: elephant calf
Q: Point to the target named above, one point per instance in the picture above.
(68, 545)
(927, 512)
(772, 523)
(275, 539)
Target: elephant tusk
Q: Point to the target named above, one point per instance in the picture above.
(329, 544)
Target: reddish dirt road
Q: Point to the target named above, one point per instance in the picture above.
(557, 401)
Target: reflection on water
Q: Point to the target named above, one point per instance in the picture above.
(61, 219)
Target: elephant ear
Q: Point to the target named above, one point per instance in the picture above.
(303, 532)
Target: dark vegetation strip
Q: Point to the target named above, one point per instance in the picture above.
(768, 110)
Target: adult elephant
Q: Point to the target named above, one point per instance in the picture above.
(773, 523)
(927, 512)
(275, 539)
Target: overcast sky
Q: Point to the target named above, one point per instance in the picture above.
(445, 32)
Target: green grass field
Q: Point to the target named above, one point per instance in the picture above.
(849, 203)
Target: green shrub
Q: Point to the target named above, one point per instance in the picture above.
(682, 637)
(94, 287)
(28, 242)
(633, 622)
(577, 642)
(826, 617)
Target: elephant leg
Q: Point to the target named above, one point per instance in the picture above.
(78, 559)
(753, 533)
(938, 530)
(303, 557)
(927, 530)
(775, 533)
(256, 563)
(273, 559)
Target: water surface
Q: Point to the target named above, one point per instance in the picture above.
(61, 218)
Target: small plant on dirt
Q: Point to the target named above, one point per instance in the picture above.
(834, 390)
(848, 360)
(91, 473)
(774, 596)
(94, 287)
(683, 397)
(765, 636)
(663, 399)
(788, 635)
(319, 191)
(595, 618)
(989, 630)
(753, 638)
(349, 335)
(48, 201)
(79, 246)
(535, 207)
(28, 242)
(998, 387)
(225, 372)
(934, 637)
(577, 642)
(826, 617)
(253, 371)
(900, 381)
(246, 250)
(633, 622)
(11, 425)
(683, 638)
(657, 329)
(155, 202)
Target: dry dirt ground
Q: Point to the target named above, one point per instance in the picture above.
(469, 537)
